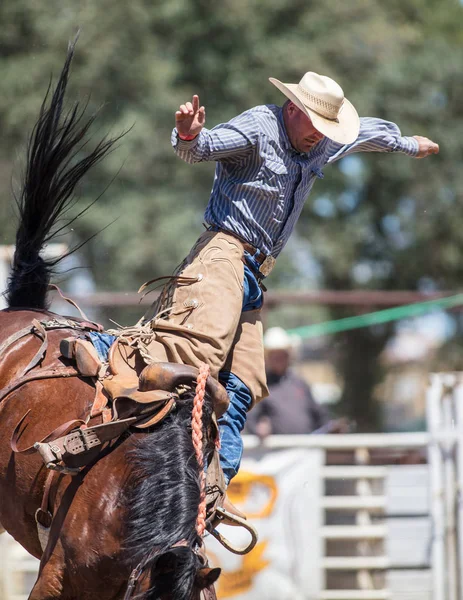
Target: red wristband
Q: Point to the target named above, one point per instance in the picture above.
(187, 138)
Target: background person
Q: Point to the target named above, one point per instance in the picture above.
(290, 407)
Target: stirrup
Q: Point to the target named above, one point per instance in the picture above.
(230, 509)
(229, 518)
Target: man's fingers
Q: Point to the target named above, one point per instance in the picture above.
(432, 149)
(426, 146)
(202, 115)
(191, 116)
(182, 115)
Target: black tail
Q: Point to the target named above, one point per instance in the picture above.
(52, 174)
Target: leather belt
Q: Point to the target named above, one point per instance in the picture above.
(265, 262)
(259, 257)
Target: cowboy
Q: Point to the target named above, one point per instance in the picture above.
(267, 160)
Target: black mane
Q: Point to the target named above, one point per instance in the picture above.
(163, 499)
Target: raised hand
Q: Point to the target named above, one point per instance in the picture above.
(190, 118)
(426, 146)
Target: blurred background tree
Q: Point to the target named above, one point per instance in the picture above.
(378, 222)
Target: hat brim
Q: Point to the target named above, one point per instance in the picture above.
(344, 131)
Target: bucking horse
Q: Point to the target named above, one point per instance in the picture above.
(106, 465)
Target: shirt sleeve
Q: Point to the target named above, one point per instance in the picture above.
(227, 141)
(375, 135)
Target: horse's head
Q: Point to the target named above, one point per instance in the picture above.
(180, 573)
(204, 583)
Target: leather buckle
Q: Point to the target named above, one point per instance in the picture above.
(81, 440)
(267, 266)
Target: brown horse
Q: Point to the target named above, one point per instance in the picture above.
(137, 503)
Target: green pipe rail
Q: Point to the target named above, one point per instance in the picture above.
(376, 318)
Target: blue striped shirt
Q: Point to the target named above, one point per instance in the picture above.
(261, 182)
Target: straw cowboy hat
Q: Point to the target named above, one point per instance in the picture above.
(322, 99)
(276, 338)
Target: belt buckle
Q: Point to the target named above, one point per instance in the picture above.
(267, 266)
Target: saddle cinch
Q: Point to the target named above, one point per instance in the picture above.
(131, 394)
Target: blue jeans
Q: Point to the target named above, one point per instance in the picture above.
(102, 343)
(231, 424)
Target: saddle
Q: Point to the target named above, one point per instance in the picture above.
(127, 394)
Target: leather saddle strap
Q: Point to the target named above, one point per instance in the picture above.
(163, 412)
(170, 278)
(50, 373)
(111, 356)
(43, 515)
(87, 438)
(71, 302)
(78, 441)
(69, 324)
(14, 337)
(56, 433)
(39, 330)
(86, 323)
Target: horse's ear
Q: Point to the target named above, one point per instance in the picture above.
(206, 577)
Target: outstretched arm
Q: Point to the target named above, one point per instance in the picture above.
(194, 143)
(377, 135)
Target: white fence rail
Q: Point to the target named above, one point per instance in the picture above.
(380, 553)
(388, 531)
